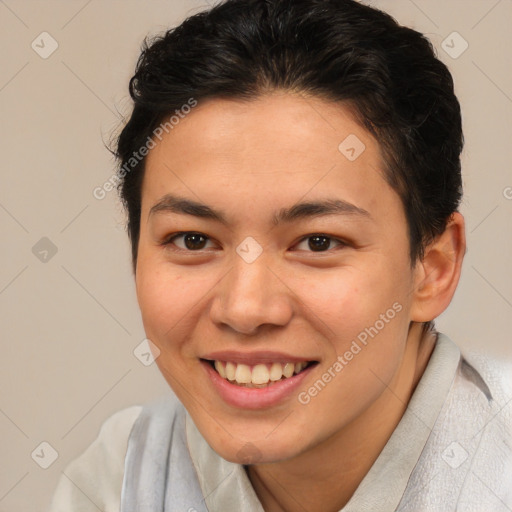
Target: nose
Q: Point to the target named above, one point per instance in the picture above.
(251, 296)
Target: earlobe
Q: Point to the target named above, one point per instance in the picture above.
(437, 274)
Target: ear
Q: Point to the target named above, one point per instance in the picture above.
(436, 276)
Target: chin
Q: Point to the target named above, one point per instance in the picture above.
(254, 451)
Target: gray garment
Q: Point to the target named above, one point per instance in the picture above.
(159, 475)
(451, 451)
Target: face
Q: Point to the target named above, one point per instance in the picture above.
(266, 247)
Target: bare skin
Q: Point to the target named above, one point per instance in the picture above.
(248, 162)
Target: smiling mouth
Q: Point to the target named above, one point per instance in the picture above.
(259, 375)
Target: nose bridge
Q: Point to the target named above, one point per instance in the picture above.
(251, 296)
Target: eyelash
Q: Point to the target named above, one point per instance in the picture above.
(340, 243)
(170, 241)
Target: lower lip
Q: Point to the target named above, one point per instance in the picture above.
(255, 398)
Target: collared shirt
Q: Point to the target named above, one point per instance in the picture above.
(418, 468)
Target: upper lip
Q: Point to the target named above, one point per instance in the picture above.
(256, 357)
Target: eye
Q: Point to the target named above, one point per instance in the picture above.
(190, 241)
(318, 243)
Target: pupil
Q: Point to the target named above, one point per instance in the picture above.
(319, 243)
(194, 241)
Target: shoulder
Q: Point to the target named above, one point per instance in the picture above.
(483, 392)
(467, 460)
(94, 480)
(491, 468)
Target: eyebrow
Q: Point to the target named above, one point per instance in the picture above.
(310, 209)
(174, 204)
(314, 209)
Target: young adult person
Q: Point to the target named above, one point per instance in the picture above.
(291, 173)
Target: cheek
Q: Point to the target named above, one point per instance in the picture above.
(170, 304)
(364, 316)
(168, 299)
(351, 299)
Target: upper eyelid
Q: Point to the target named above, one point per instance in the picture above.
(170, 238)
(331, 237)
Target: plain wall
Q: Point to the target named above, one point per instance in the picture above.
(70, 323)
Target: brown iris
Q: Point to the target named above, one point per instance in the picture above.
(194, 241)
(319, 243)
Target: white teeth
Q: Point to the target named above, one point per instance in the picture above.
(276, 371)
(230, 371)
(288, 369)
(259, 375)
(300, 366)
(220, 369)
(243, 374)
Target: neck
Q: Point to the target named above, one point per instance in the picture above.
(315, 480)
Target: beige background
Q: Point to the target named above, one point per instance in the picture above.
(70, 324)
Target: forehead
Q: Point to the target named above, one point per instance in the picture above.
(273, 150)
